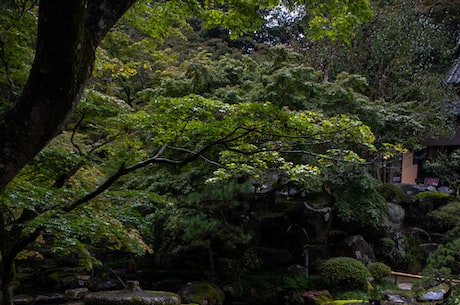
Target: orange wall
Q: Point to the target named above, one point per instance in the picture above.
(408, 169)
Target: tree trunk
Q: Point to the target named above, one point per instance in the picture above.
(7, 281)
(69, 32)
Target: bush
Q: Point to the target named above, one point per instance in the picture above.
(453, 298)
(392, 193)
(434, 196)
(345, 272)
(379, 270)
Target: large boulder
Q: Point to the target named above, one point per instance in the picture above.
(123, 297)
(356, 246)
(395, 215)
(132, 295)
(316, 221)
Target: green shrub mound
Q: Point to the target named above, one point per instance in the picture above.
(379, 270)
(392, 193)
(433, 196)
(345, 272)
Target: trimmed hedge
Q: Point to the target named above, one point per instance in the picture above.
(379, 270)
(345, 272)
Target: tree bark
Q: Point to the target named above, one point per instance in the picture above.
(69, 32)
(7, 279)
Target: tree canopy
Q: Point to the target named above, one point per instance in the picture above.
(67, 38)
(113, 130)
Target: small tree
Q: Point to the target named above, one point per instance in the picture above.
(443, 265)
(447, 167)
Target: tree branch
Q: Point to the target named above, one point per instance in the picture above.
(69, 32)
(74, 131)
(155, 159)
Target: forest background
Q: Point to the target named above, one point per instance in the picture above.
(182, 121)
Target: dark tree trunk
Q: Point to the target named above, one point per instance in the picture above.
(7, 280)
(69, 32)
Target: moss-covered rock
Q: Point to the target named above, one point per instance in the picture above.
(202, 293)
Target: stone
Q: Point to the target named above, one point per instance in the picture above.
(233, 291)
(445, 189)
(318, 220)
(395, 214)
(397, 298)
(295, 299)
(428, 248)
(432, 296)
(23, 299)
(47, 299)
(412, 189)
(356, 246)
(405, 286)
(316, 297)
(202, 292)
(125, 297)
(419, 233)
(108, 285)
(133, 286)
(76, 294)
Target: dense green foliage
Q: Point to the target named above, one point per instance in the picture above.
(172, 142)
(358, 201)
(447, 217)
(404, 53)
(379, 270)
(453, 298)
(447, 167)
(442, 264)
(392, 193)
(345, 272)
(16, 51)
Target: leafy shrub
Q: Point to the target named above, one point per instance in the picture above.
(358, 201)
(454, 297)
(443, 262)
(446, 217)
(350, 295)
(292, 282)
(379, 270)
(345, 272)
(387, 242)
(392, 193)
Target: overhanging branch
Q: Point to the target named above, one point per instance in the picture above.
(122, 171)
